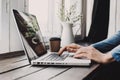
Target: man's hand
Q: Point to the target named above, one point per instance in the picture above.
(70, 48)
(93, 54)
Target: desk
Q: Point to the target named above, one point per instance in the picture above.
(21, 70)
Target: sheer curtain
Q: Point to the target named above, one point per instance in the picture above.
(0, 17)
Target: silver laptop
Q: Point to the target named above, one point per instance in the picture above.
(34, 45)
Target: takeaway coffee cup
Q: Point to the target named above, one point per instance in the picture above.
(55, 44)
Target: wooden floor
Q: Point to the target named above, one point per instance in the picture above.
(18, 68)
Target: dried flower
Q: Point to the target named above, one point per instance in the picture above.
(70, 15)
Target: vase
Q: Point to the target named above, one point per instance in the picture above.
(67, 36)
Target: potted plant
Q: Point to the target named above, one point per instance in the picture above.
(67, 18)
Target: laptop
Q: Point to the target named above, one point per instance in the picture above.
(34, 45)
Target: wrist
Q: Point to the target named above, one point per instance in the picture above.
(107, 58)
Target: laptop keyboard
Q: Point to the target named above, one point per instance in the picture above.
(55, 57)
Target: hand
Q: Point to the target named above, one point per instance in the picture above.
(70, 48)
(93, 54)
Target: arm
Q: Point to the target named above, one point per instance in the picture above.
(116, 53)
(108, 44)
(108, 58)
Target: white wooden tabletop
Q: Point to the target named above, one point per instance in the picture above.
(19, 69)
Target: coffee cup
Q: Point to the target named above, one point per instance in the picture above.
(55, 44)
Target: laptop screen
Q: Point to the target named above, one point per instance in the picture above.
(30, 33)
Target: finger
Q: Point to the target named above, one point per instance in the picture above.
(74, 46)
(80, 55)
(61, 50)
(78, 52)
(81, 50)
(72, 50)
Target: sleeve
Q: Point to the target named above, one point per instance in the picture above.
(116, 53)
(108, 44)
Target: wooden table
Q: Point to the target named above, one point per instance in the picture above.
(18, 68)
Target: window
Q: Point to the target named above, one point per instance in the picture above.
(40, 9)
(46, 12)
(9, 38)
(10, 45)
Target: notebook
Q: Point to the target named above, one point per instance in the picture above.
(34, 45)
